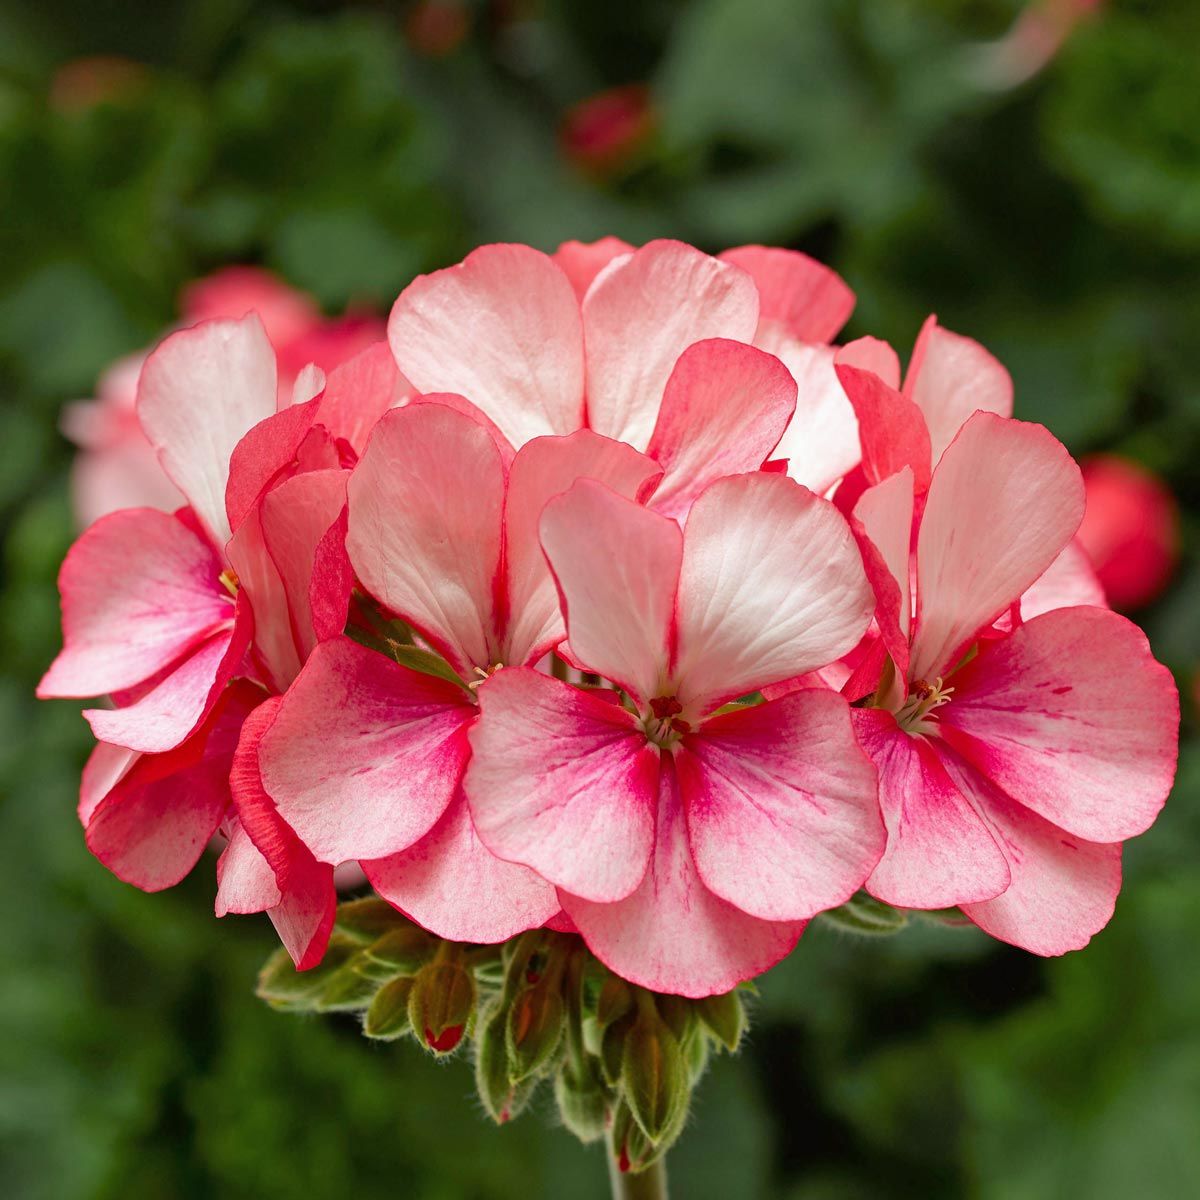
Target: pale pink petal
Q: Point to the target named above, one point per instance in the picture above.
(152, 827)
(231, 292)
(1005, 499)
(125, 475)
(450, 883)
(545, 468)
(891, 428)
(782, 814)
(581, 262)
(724, 410)
(139, 590)
(771, 586)
(501, 328)
(672, 934)
(883, 516)
(563, 782)
(105, 766)
(364, 755)
(1063, 889)
(939, 851)
(640, 315)
(426, 505)
(359, 392)
(951, 377)
(795, 292)
(461, 404)
(872, 354)
(1070, 580)
(616, 565)
(309, 384)
(168, 714)
(245, 881)
(201, 390)
(295, 518)
(264, 456)
(1072, 717)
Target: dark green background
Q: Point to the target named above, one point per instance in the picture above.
(1059, 223)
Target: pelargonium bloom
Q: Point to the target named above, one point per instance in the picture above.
(1015, 751)
(689, 842)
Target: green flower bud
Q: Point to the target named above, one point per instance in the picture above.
(654, 1075)
(583, 1100)
(612, 1048)
(441, 1003)
(346, 990)
(615, 1000)
(367, 919)
(387, 1018)
(534, 1029)
(289, 990)
(677, 1013)
(864, 914)
(401, 951)
(501, 1098)
(630, 1146)
(724, 1017)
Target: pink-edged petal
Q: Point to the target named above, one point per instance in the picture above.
(1005, 499)
(461, 404)
(563, 782)
(951, 377)
(364, 755)
(359, 392)
(1070, 580)
(139, 590)
(581, 262)
(618, 617)
(781, 806)
(939, 851)
(872, 354)
(152, 827)
(309, 384)
(264, 456)
(545, 468)
(795, 292)
(883, 519)
(200, 391)
(453, 885)
(501, 328)
(891, 428)
(245, 882)
(724, 410)
(105, 766)
(426, 504)
(332, 581)
(173, 709)
(1063, 888)
(1072, 717)
(295, 517)
(303, 910)
(771, 586)
(672, 934)
(640, 315)
(124, 475)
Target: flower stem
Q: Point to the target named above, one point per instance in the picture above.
(650, 1184)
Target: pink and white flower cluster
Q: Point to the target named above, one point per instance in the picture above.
(608, 594)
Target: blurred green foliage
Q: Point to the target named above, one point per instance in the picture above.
(1057, 221)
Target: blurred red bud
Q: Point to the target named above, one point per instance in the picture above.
(436, 28)
(83, 82)
(601, 134)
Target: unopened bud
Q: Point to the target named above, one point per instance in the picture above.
(289, 990)
(502, 1099)
(629, 1144)
(387, 1018)
(654, 1076)
(534, 1030)
(724, 1017)
(441, 1004)
(368, 919)
(401, 951)
(583, 1100)
(347, 990)
(612, 1048)
(614, 1001)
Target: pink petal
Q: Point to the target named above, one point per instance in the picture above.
(123, 475)
(795, 292)
(359, 392)
(309, 384)
(364, 755)
(616, 565)
(872, 354)
(245, 881)
(1005, 499)
(939, 851)
(106, 765)
(173, 709)
(332, 581)
(545, 468)
(883, 516)
(1070, 580)
(152, 827)
(139, 590)
(563, 782)
(581, 262)
(672, 934)
(1063, 889)
(501, 328)
(724, 410)
(461, 404)
(891, 427)
(450, 883)
(781, 805)
(951, 377)
(640, 315)
(425, 527)
(771, 586)
(264, 456)
(201, 390)
(1073, 718)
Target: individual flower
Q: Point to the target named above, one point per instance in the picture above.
(1017, 745)
(1130, 530)
(689, 838)
(365, 757)
(117, 467)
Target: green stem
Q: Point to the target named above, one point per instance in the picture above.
(650, 1184)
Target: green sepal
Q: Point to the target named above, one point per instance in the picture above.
(612, 1048)
(425, 661)
(402, 951)
(366, 920)
(534, 1029)
(654, 1076)
(289, 990)
(724, 1017)
(864, 914)
(583, 1100)
(500, 1097)
(614, 1001)
(387, 1018)
(347, 990)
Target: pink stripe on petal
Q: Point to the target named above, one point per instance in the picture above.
(883, 518)
(358, 392)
